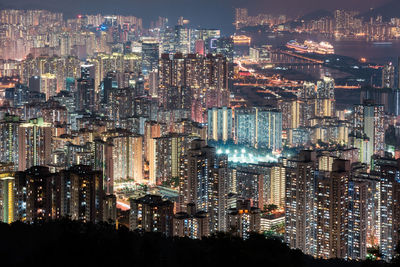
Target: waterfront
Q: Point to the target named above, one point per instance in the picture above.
(380, 54)
(349, 71)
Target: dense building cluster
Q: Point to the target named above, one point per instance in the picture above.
(339, 23)
(99, 115)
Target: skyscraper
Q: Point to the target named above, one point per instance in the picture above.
(34, 144)
(7, 198)
(40, 200)
(259, 127)
(166, 158)
(86, 96)
(277, 186)
(389, 171)
(358, 218)
(199, 47)
(388, 77)
(220, 124)
(299, 208)
(205, 183)
(127, 156)
(151, 214)
(240, 17)
(368, 119)
(204, 79)
(86, 193)
(9, 145)
(153, 83)
(150, 56)
(291, 114)
(339, 205)
(192, 224)
(197, 188)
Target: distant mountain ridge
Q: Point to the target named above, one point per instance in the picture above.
(387, 11)
(317, 14)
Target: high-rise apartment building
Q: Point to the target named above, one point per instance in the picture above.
(389, 172)
(240, 17)
(77, 193)
(205, 183)
(331, 211)
(388, 76)
(84, 193)
(192, 224)
(368, 120)
(166, 156)
(299, 209)
(291, 113)
(86, 96)
(127, 157)
(9, 129)
(151, 214)
(203, 78)
(358, 218)
(259, 128)
(150, 56)
(7, 198)
(220, 124)
(34, 144)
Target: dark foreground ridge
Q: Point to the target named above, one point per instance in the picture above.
(72, 243)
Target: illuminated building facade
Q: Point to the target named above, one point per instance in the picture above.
(389, 172)
(77, 193)
(220, 124)
(388, 76)
(150, 56)
(205, 183)
(167, 157)
(205, 79)
(86, 193)
(240, 17)
(277, 186)
(299, 208)
(291, 110)
(358, 218)
(9, 129)
(151, 214)
(7, 198)
(244, 221)
(191, 224)
(34, 143)
(368, 119)
(127, 156)
(259, 128)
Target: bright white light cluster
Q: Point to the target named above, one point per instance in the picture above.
(243, 156)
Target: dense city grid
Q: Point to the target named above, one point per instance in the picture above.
(191, 131)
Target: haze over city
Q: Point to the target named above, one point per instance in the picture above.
(208, 13)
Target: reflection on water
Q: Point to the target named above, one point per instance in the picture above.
(380, 54)
(316, 71)
(357, 49)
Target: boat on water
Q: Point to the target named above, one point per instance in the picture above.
(382, 43)
(309, 46)
(296, 46)
(241, 40)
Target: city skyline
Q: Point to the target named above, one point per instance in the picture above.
(284, 130)
(219, 13)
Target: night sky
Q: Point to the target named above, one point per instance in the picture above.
(207, 13)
